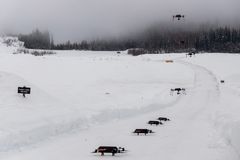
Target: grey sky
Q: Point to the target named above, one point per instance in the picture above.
(83, 19)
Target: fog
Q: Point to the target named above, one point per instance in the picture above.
(76, 20)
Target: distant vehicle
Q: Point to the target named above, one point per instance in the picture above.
(163, 119)
(109, 149)
(155, 123)
(118, 52)
(143, 131)
(178, 16)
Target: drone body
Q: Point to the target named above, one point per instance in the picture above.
(178, 16)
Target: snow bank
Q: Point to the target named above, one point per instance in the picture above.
(226, 112)
(25, 121)
(11, 42)
(39, 116)
(234, 136)
(230, 131)
(9, 45)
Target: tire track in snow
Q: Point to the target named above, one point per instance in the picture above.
(198, 135)
(188, 134)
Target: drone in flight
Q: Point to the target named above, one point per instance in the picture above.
(178, 16)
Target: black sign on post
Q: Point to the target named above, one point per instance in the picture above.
(24, 90)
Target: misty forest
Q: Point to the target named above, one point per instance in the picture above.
(154, 40)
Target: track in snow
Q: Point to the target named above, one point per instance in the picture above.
(190, 134)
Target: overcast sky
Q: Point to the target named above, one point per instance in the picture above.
(84, 19)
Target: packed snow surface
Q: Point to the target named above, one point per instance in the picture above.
(81, 100)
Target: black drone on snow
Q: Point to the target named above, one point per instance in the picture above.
(109, 149)
(178, 17)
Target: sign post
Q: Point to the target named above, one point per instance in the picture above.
(24, 90)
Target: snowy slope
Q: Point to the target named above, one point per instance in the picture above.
(29, 120)
(81, 100)
(68, 86)
(226, 117)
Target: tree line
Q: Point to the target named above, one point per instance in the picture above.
(37, 40)
(154, 40)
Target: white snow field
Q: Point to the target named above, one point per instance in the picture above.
(81, 100)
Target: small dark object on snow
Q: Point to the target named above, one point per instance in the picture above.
(155, 123)
(222, 81)
(24, 90)
(169, 61)
(178, 16)
(191, 54)
(178, 90)
(143, 131)
(163, 119)
(109, 149)
(118, 52)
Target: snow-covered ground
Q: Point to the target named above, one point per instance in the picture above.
(81, 100)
